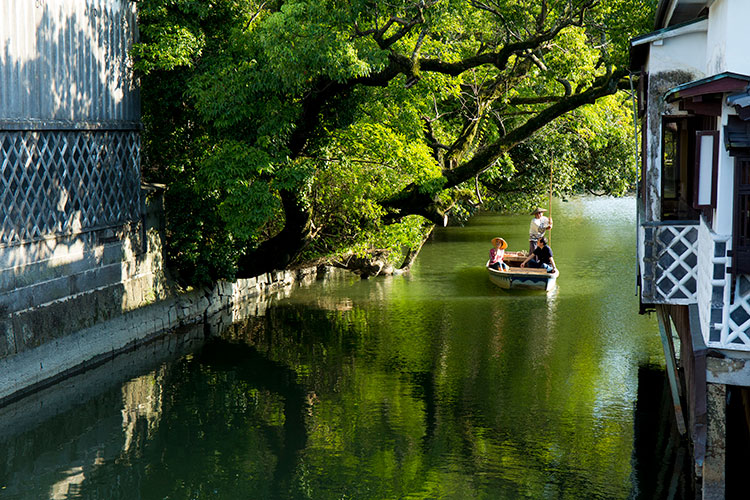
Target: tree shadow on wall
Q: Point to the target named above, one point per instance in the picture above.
(69, 152)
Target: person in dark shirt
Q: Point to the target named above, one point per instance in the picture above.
(542, 257)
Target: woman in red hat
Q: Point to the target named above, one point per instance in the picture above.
(497, 252)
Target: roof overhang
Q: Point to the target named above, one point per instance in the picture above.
(716, 84)
(736, 135)
(741, 103)
(670, 12)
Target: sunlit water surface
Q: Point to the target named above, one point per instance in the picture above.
(436, 384)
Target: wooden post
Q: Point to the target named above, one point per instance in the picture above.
(665, 331)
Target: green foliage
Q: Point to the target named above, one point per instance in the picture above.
(590, 150)
(201, 245)
(345, 105)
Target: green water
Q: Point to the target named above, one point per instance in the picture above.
(436, 384)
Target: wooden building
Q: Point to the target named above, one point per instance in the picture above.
(74, 237)
(694, 213)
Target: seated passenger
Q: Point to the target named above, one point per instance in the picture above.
(497, 252)
(542, 257)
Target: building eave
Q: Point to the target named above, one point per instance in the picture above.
(721, 83)
(693, 26)
(669, 12)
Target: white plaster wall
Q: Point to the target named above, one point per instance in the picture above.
(722, 223)
(728, 37)
(684, 53)
(717, 37)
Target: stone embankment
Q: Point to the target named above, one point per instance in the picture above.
(69, 305)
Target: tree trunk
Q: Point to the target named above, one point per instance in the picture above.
(278, 252)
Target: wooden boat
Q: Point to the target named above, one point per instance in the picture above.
(522, 278)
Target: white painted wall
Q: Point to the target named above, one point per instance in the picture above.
(722, 223)
(716, 60)
(684, 53)
(728, 37)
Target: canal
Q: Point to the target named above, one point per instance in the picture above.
(435, 384)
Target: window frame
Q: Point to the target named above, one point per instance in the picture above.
(679, 206)
(714, 169)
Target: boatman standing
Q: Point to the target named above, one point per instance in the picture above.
(539, 225)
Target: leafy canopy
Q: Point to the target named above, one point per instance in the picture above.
(307, 128)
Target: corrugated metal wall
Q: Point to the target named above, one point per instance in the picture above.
(69, 118)
(66, 61)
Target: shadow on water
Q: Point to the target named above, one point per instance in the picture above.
(261, 373)
(221, 420)
(661, 458)
(738, 441)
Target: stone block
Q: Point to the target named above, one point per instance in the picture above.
(96, 278)
(172, 315)
(7, 337)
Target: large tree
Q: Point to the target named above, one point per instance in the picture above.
(342, 126)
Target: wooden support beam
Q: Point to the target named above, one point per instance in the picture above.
(665, 331)
(697, 387)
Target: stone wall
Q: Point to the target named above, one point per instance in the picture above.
(58, 285)
(83, 301)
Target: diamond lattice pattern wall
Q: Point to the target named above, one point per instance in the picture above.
(56, 182)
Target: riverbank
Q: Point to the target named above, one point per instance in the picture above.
(70, 304)
(223, 304)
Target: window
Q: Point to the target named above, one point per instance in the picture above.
(670, 164)
(678, 169)
(706, 168)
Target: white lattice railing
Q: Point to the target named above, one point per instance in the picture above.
(67, 181)
(713, 285)
(689, 264)
(669, 263)
(734, 334)
(723, 301)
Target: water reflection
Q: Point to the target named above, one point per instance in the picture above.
(432, 385)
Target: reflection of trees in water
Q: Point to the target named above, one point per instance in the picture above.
(469, 395)
(661, 459)
(414, 399)
(224, 423)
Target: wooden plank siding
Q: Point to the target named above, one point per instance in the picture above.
(69, 118)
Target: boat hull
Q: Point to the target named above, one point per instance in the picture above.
(524, 279)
